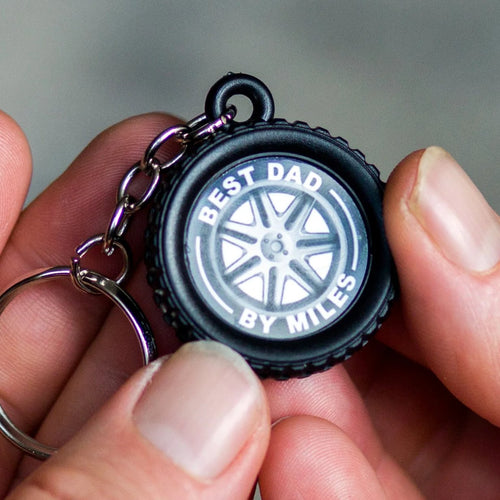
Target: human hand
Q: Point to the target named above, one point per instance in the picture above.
(415, 412)
(353, 448)
(64, 353)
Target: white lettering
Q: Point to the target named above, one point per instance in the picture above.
(347, 282)
(217, 198)
(324, 313)
(267, 321)
(297, 323)
(294, 175)
(231, 185)
(313, 317)
(208, 215)
(337, 298)
(246, 173)
(275, 171)
(248, 318)
(312, 182)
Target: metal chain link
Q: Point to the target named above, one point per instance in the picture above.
(93, 282)
(194, 131)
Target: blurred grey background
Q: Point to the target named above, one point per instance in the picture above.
(389, 76)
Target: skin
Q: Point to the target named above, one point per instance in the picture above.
(412, 415)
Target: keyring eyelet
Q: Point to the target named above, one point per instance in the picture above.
(231, 85)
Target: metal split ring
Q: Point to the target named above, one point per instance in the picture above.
(109, 246)
(201, 128)
(99, 284)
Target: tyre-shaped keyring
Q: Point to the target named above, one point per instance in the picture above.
(269, 238)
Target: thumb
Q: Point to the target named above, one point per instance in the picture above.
(446, 243)
(194, 426)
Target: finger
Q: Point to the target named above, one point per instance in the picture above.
(111, 358)
(195, 426)
(330, 396)
(335, 466)
(333, 397)
(413, 413)
(15, 174)
(397, 408)
(80, 202)
(446, 244)
(47, 328)
(425, 429)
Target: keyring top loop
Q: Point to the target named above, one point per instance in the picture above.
(99, 284)
(233, 84)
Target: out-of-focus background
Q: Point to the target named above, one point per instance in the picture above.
(389, 76)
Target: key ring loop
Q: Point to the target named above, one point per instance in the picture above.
(86, 246)
(240, 84)
(100, 284)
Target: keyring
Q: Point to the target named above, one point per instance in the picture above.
(85, 279)
(268, 236)
(263, 234)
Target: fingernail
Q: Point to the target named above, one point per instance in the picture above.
(454, 212)
(201, 407)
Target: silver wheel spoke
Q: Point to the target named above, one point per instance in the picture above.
(305, 276)
(297, 214)
(236, 236)
(274, 287)
(243, 269)
(247, 233)
(263, 209)
(315, 244)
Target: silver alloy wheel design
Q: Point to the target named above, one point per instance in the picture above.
(276, 247)
(269, 238)
(280, 246)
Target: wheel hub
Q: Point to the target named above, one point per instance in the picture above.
(275, 246)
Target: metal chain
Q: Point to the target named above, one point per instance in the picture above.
(92, 282)
(194, 131)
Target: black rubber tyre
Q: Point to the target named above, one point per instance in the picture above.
(270, 239)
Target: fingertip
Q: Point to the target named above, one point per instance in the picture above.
(335, 466)
(406, 169)
(223, 404)
(194, 425)
(15, 173)
(399, 187)
(13, 142)
(454, 213)
(429, 192)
